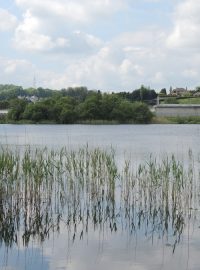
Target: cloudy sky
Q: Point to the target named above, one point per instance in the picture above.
(112, 45)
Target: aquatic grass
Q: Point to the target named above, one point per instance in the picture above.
(161, 196)
(40, 189)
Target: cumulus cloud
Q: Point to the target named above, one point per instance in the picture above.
(73, 10)
(16, 71)
(27, 36)
(58, 33)
(120, 64)
(30, 35)
(186, 30)
(49, 25)
(8, 21)
(55, 25)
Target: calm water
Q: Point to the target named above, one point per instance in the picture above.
(137, 140)
(103, 248)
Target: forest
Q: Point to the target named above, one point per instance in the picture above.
(77, 105)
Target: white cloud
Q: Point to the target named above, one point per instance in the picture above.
(158, 78)
(56, 36)
(120, 64)
(128, 68)
(16, 71)
(27, 36)
(73, 11)
(186, 30)
(7, 21)
(30, 36)
(49, 25)
(190, 73)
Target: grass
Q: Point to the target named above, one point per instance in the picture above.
(183, 100)
(98, 122)
(161, 120)
(40, 189)
(184, 120)
(195, 100)
(176, 120)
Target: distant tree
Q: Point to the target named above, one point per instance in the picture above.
(144, 94)
(65, 110)
(17, 108)
(141, 113)
(61, 107)
(33, 112)
(136, 112)
(90, 109)
(10, 92)
(109, 102)
(123, 111)
(198, 89)
(79, 93)
(4, 104)
(68, 115)
(163, 92)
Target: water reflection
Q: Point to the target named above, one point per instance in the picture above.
(51, 224)
(43, 192)
(23, 259)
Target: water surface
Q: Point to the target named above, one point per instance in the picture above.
(102, 248)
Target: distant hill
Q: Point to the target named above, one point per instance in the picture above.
(10, 91)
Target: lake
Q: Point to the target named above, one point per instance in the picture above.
(162, 239)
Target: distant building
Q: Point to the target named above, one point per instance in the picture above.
(178, 91)
(33, 99)
(197, 94)
(3, 114)
(30, 99)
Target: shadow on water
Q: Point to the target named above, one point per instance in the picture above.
(42, 190)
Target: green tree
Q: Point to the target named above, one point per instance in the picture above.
(136, 112)
(36, 112)
(123, 111)
(4, 104)
(17, 108)
(65, 110)
(144, 94)
(141, 113)
(90, 109)
(109, 102)
(163, 92)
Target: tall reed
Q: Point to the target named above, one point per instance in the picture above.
(40, 189)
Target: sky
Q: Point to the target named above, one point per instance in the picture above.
(110, 45)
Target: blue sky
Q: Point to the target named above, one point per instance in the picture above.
(112, 45)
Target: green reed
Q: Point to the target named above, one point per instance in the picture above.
(40, 189)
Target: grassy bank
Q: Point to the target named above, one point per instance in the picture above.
(194, 100)
(155, 120)
(176, 120)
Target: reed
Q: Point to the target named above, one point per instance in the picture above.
(40, 189)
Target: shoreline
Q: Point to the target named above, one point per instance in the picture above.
(155, 120)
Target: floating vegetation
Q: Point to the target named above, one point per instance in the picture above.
(42, 189)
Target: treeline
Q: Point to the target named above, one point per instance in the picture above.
(9, 91)
(144, 94)
(77, 106)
